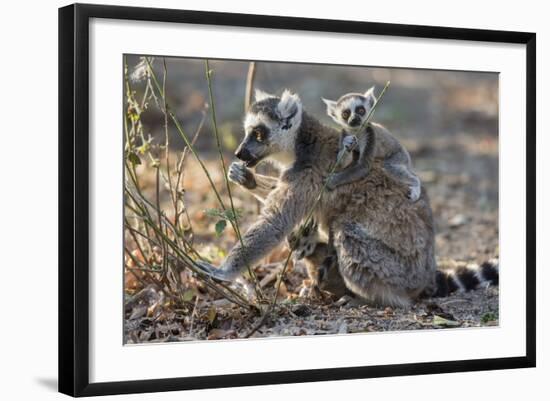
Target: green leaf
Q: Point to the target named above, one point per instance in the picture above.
(144, 148)
(214, 213)
(211, 315)
(188, 295)
(134, 159)
(441, 321)
(488, 317)
(224, 214)
(134, 117)
(220, 226)
(229, 215)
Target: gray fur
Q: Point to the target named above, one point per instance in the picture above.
(320, 260)
(384, 243)
(373, 142)
(259, 185)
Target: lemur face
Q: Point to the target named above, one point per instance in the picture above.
(304, 245)
(351, 110)
(270, 126)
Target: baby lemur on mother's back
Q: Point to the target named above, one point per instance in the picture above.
(374, 142)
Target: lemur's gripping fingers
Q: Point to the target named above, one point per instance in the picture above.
(241, 175)
(349, 142)
(332, 181)
(414, 192)
(310, 292)
(217, 274)
(330, 184)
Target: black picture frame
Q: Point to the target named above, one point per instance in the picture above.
(74, 198)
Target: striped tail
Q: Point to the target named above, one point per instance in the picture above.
(466, 277)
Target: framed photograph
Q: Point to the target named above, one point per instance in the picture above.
(250, 199)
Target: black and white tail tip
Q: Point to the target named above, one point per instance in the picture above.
(466, 278)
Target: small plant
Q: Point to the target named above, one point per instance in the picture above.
(489, 317)
(223, 217)
(162, 240)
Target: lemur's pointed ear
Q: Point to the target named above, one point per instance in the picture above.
(331, 106)
(260, 95)
(369, 94)
(289, 104)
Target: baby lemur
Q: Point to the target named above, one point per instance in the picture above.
(350, 111)
(319, 258)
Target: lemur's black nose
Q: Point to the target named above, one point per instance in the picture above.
(355, 121)
(243, 154)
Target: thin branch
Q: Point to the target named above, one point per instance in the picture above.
(250, 77)
(185, 138)
(224, 171)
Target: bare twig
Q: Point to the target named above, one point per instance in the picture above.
(250, 78)
(235, 223)
(188, 143)
(249, 85)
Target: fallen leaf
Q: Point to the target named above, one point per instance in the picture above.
(211, 315)
(138, 311)
(441, 321)
(218, 334)
(457, 221)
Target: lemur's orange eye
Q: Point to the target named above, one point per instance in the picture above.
(258, 135)
(345, 114)
(360, 110)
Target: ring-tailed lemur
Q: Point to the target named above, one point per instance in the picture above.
(320, 260)
(385, 258)
(349, 111)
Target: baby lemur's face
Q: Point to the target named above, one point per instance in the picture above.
(351, 110)
(270, 127)
(304, 245)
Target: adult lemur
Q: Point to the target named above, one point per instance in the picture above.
(384, 242)
(349, 111)
(322, 266)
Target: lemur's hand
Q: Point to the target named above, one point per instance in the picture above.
(218, 274)
(331, 182)
(241, 175)
(349, 142)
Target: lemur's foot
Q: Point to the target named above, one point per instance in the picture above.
(217, 274)
(349, 301)
(349, 142)
(241, 175)
(414, 192)
(310, 291)
(344, 300)
(248, 288)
